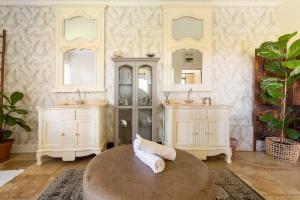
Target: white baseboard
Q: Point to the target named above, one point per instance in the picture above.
(260, 145)
(28, 148)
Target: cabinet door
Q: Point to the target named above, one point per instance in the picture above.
(52, 135)
(144, 94)
(183, 133)
(69, 131)
(125, 85)
(86, 134)
(124, 126)
(200, 133)
(145, 123)
(217, 132)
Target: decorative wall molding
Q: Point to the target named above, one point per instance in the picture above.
(202, 45)
(144, 2)
(96, 13)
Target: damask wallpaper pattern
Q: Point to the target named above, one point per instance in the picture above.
(237, 31)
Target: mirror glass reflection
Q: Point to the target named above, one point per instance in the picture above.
(145, 85)
(80, 27)
(187, 66)
(187, 27)
(79, 67)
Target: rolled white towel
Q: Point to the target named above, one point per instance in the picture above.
(148, 146)
(136, 143)
(156, 163)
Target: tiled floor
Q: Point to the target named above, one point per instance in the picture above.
(273, 179)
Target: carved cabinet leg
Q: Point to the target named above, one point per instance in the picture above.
(39, 159)
(228, 157)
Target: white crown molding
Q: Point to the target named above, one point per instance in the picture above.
(143, 2)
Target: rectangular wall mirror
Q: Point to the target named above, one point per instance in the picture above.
(79, 67)
(187, 27)
(80, 27)
(187, 66)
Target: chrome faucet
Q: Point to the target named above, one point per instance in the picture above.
(80, 100)
(207, 100)
(188, 101)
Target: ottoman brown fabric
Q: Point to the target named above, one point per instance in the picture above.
(117, 174)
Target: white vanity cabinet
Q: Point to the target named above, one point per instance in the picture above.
(70, 132)
(201, 130)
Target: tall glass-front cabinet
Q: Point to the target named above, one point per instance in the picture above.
(135, 99)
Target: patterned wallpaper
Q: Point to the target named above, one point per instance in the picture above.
(236, 33)
(135, 31)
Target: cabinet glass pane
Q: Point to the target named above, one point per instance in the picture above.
(79, 67)
(125, 85)
(145, 85)
(125, 126)
(187, 27)
(80, 27)
(145, 123)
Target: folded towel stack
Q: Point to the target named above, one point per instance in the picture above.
(152, 153)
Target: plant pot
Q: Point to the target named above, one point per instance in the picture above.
(288, 150)
(5, 148)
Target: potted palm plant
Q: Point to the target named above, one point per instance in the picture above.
(284, 68)
(10, 115)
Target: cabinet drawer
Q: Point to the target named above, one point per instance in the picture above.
(84, 114)
(200, 114)
(184, 114)
(218, 113)
(68, 114)
(52, 115)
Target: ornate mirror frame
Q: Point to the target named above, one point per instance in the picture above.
(62, 45)
(173, 12)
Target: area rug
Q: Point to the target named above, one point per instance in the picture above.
(68, 186)
(7, 175)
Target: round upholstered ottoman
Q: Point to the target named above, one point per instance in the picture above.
(117, 174)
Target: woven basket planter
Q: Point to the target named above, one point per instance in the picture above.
(288, 150)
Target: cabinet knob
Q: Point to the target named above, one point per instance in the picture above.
(77, 134)
(62, 134)
(196, 133)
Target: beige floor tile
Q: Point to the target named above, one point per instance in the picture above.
(262, 181)
(16, 164)
(50, 166)
(282, 197)
(25, 186)
(289, 181)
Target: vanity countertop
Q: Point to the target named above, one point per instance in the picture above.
(71, 104)
(193, 105)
